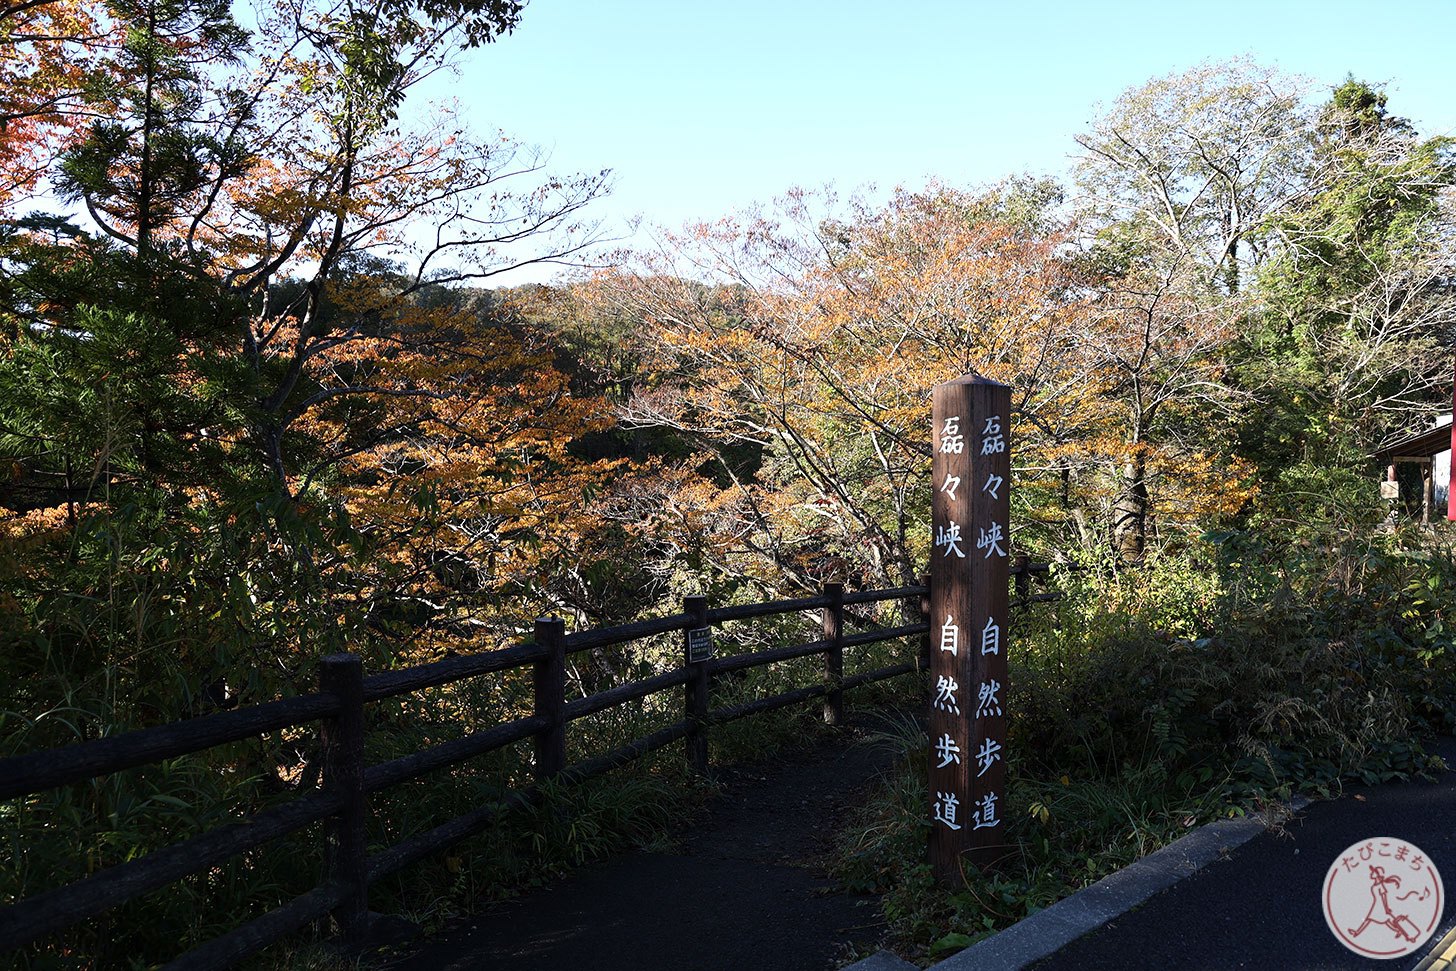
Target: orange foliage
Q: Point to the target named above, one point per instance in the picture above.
(44, 52)
(813, 345)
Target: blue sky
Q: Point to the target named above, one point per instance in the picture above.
(704, 106)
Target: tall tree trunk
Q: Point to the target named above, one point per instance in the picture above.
(1130, 511)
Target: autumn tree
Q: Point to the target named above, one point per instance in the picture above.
(1159, 354)
(232, 369)
(1178, 182)
(45, 46)
(1195, 163)
(797, 353)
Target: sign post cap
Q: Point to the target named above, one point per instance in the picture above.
(979, 380)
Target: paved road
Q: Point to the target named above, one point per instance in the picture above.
(743, 890)
(1261, 907)
(746, 890)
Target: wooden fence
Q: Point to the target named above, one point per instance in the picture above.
(341, 799)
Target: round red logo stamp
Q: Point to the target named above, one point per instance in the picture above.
(1383, 897)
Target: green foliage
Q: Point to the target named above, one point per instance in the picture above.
(1310, 665)
(156, 144)
(1351, 339)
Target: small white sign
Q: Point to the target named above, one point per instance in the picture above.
(700, 644)
(1383, 897)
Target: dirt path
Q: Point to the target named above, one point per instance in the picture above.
(745, 888)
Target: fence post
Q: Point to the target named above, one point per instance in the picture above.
(341, 742)
(696, 693)
(834, 654)
(549, 679)
(1023, 579)
(925, 619)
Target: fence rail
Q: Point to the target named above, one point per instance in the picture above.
(341, 802)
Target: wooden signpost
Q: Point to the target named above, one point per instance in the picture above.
(969, 569)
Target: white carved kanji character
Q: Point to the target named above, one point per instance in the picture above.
(946, 805)
(950, 538)
(985, 814)
(990, 540)
(947, 751)
(989, 754)
(950, 636)
(951, 439)
(992, 486)
(990, 638)
(992, 441)
(952, 483)
(945, 699)
(987, 703)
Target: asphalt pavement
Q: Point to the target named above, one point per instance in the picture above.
(745, 888)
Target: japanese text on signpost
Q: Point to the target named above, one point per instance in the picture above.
(969, 566)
